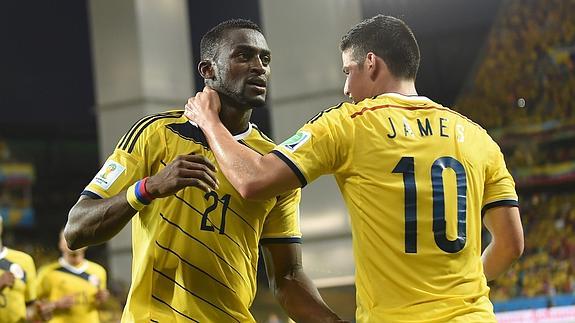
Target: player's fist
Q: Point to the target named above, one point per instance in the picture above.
(6, 280)
(101, 296)
(203, 107)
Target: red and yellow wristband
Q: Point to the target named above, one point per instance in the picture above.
(137, 195)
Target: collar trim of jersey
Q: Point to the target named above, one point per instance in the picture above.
(3, 253)
(406, 97)
(237, 137)
(244, 134)
(73, 269)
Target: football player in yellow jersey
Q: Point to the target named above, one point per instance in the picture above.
(18, 287)
(75, 287)
(418, 179)
(195, 239)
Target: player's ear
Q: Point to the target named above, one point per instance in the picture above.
(206, 69)
(374, 65)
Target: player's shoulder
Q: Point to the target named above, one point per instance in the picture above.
(256, 139)
(94, 266)
(18, 256)
(48, 268)
(147, 126)
(333, 113)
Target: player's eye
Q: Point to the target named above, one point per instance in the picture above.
(266, 59)
(243, 56)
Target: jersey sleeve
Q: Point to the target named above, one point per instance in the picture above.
(320, 147)
(31, 282)
(499, 187)
(282, 223)
(130, 162)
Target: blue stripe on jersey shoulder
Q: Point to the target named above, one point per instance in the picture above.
(84, 275)
(5, 265)
(188, 131)
(280, 240)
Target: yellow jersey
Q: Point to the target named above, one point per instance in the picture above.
(60, 279)
(13, 299)
(416, 177)
(195, 254)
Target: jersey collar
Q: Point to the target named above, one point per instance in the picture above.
(410, 98)
(244, 134)
(75, 270)
(3, 252)
(239, 136)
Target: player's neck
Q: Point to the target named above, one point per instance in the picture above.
(403, 87)
(235, 119)
(74, 260)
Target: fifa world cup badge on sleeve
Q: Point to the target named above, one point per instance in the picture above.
(108, 174)
(295, 141)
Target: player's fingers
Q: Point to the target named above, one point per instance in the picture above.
(199, 184)
(205, 177)
(200, 159)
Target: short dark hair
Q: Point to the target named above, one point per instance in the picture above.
(211, 40)
(387, 37)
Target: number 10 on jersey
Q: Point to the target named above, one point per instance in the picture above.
(406, 166)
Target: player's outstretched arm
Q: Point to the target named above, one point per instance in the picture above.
(95, 221)
(253, 176)
(504, 224)
(293, 289)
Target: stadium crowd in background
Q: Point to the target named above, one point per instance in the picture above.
(528, 61)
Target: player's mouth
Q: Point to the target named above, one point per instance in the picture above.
(258, 84)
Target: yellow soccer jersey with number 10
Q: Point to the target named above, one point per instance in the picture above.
(195, 254)
(415, 177)
(60, 279)
(13, 299)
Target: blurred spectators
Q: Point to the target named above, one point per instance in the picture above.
(547, 265)
(526, 74)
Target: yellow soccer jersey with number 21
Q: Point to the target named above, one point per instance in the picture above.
(195, 254)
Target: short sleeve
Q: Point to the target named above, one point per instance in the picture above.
(127, 164)
(282, 223)
(499, 185)
(320, 147)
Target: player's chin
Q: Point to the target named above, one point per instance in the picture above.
(256, 101)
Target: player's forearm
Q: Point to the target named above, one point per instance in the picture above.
(95, 221)
(497, 259)
(299, 297)
(240, 165)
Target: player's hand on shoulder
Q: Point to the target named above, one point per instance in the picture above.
(204, 107)
(183, 171)
(6, 280)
